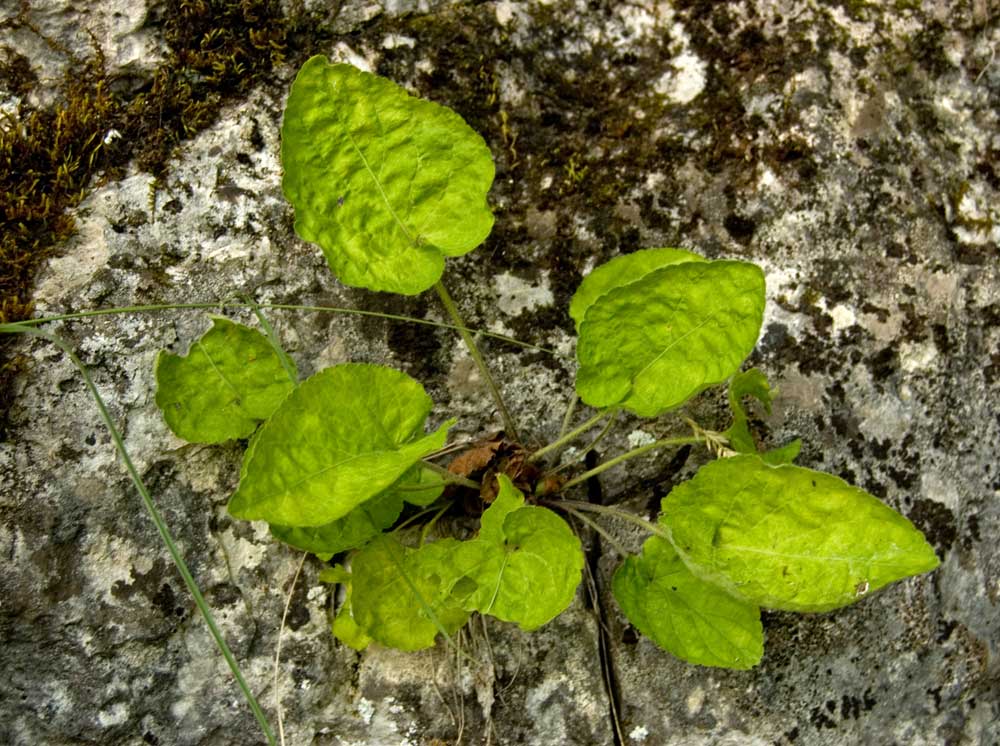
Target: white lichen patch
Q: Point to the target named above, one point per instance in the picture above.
(514, 295)
(243, 554)
(843, 317)
(117, 714)
(638, 733)
(109, 561)
(685, 81)
(695, 701)
(639, 438)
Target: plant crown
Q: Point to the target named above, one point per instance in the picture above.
(389, 185)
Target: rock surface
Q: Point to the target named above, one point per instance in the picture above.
(850, 150)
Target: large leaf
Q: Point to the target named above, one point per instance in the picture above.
(653, 344)
(387, 185)
(230, 381)
(401, 596)
(696, 621)
(622, 270)
(342, 437)
(525, 565)
(785, 537)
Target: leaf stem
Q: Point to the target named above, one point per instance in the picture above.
(277, 652)
(470, 343)
(450, 477)
(664, 443)
(271, 306)
(568, 417)
(161, 526)
(571, 435)
(286, 362)
(594, 526)
(590, 446)
(608, 510)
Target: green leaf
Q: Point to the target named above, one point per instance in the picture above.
(344, 627)
(347, 630)
(420, 486)
(790, 538)
(746, 383)
(785, 454)
(653, 344)
(754, 383)
(387, 185)
(525, 565)
(363, 523)
(402, 596)
(342, 437)
(696, 621)
(620, 271)
(230, 381)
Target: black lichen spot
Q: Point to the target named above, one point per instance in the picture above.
(820, 719)
(739, 227)
(936, 521)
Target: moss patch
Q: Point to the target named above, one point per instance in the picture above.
(218, 50)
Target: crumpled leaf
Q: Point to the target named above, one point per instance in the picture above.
(342, 437)
(386, 184)
(621, 271)
(401, 596)
(525, 564)
(651, 345)
(230, 381)
(754, 383)
(790, 538)
(697, 621)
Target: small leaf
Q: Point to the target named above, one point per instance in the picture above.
(696, 621)
(386, 184)
(342, 437)
(230, 381)
(746, 383)
(785, 454)
(525, 565)
(402, 596)
(419, 486)
(653, 344)
(344, 627)
(347, 630)
(754, 383)
(621, 271)
(790, 538)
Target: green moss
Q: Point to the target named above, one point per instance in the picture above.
(218, 50)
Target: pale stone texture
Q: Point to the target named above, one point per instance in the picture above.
(851, 151)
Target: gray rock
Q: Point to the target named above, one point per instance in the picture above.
(850, 150)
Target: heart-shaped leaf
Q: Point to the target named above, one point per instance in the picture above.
(652, 344)
(525, 564)
(230, 381)
(386, 184)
